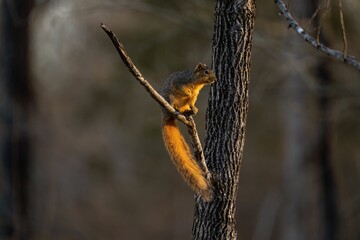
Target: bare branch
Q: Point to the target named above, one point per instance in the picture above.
(343, 28)
(312, 18)
(350, 60)
(137, 74)
(322, 20)
(289, 4)
(196, 144)
(188, 121)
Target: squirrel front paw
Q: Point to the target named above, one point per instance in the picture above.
(188, 113)
(193, 110)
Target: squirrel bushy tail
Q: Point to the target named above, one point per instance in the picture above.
(181, 155)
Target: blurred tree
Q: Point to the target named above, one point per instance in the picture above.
(226, 117)
(17, 98)
(328, 200)
(328, 203)
(298, 140)
(301, 143)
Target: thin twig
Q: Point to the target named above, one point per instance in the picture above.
(350, 60)
(322, 20)
(196, 144)
(289, 4)
(343, 28)
(188, 121)
(137, 74)
(312, 18)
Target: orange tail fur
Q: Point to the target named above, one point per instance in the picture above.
(181, 156)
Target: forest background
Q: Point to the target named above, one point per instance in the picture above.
(99, 169)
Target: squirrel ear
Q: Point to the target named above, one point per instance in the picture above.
(200, 67)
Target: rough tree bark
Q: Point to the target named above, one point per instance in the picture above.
(226, 117)
(16, 98)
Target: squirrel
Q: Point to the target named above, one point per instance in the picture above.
(181, 90)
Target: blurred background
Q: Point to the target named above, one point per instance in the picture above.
(81, 150)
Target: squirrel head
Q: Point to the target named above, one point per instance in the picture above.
(204, 74)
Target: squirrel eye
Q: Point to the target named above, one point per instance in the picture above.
(206, 72)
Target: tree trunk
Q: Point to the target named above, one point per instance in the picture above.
(17, 97)
(226, 117)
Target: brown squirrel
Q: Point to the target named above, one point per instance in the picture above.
(181, 90)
